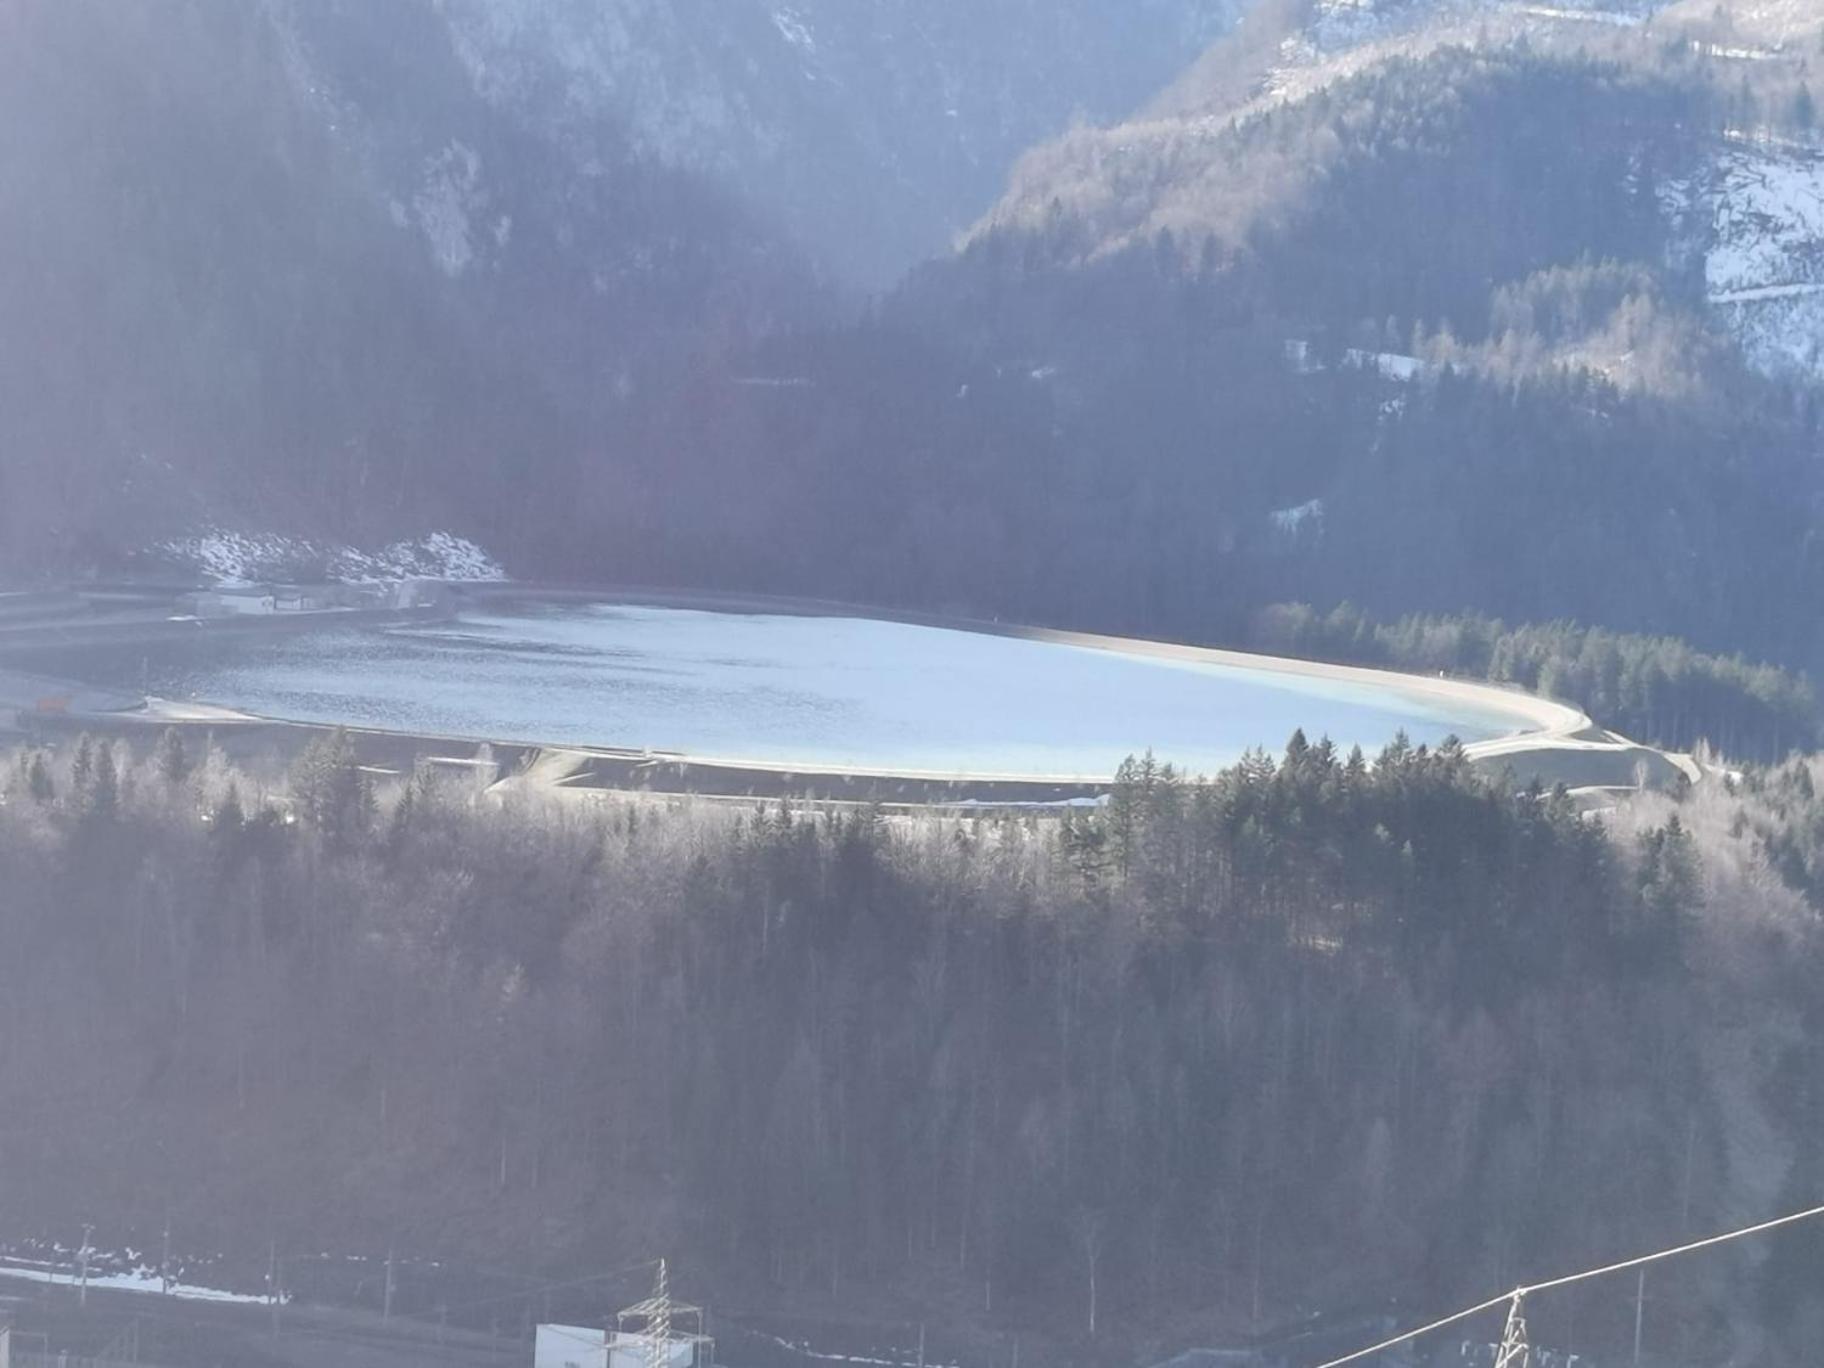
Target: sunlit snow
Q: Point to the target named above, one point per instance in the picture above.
(1759, 221)
(146, 1280)
(795, 691)
(239, 559)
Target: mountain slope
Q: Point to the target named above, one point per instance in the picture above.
(350, 269)
(1501, 312)
(872, 132)
(1435, 330)
(279, 263)
(1732, 151)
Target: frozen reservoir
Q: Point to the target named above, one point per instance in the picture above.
(791, 691)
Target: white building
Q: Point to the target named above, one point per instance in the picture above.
(655, 1333)
(578, 1346)
(570, 1346)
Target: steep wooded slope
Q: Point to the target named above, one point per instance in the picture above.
(871, 132)
(280, 264)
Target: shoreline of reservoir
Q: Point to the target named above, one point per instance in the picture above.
(1543, 739)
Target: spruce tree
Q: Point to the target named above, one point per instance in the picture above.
(104, 797)
(172, 758)
(332, 794)
(82, 767)
(38, 779)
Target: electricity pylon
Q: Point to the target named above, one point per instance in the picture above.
(658, 1324)
(1514, 1353)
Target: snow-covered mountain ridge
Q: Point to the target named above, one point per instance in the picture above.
(1751, 217)
(1738, 172)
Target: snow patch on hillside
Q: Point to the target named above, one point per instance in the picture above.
(1388, 365)
(1775, 23)
(1756, 216)
(238, 558)
(794, 30)
(1782, 334)
(1292, 520)
(441, 555)
(1345, 37)
(140, 1279)
(1338, 25)
(1585, 14)
(1768, 220)
(447, 201)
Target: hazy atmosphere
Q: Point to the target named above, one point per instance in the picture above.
(911, 683)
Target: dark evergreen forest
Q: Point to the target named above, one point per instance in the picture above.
(1416, 371)
(1653, 689)
(1435, 307)
(1363, 367)
(1306, 1034)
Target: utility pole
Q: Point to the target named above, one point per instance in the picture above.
(272, 1283)
(386, 1310)
(1684, 1208)
(82, 1262)
(164, 1261)
(1640, 1309)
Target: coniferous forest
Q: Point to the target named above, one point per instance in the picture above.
(1655, 689)
(1308, 1032)
(1478, 338)
(1097, 413)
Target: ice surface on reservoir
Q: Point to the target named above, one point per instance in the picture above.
(796, 691)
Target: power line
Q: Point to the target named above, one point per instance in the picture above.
(1518, 1293)
(1681, 1249)
(534, 1292)
(1397, 1340)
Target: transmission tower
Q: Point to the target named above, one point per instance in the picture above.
(658, 1323)
(1514, 1353)
(662, 1333)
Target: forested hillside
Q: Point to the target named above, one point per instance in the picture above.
(1434, 248)
(1306, 1035)
(359, 271)
(1426, 340)
(873, 133)
(1654, 689)
(280, 267)
(1448, 335)
(1465, 309)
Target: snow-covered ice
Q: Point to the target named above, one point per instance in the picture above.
(784, 690)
